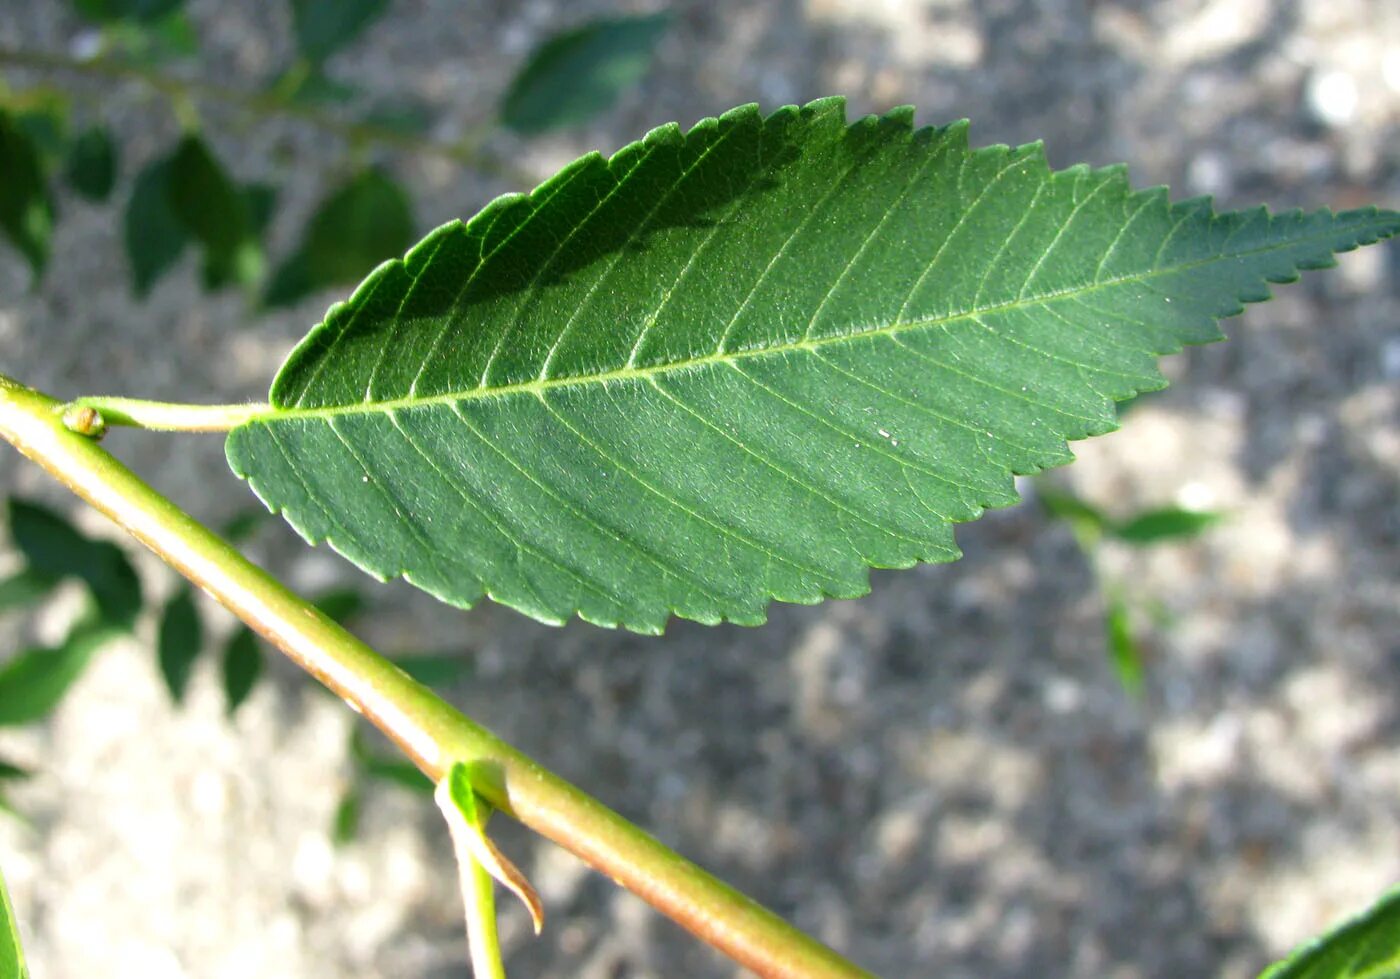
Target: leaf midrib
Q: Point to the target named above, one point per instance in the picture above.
(538, 386)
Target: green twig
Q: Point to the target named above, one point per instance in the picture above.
(428, 729)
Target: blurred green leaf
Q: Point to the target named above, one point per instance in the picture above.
(54, 548)
(13, 773)
(165, 39)
(92, 164)
(323, 27)
(178, 643)
(1166, 523)
(1123, 650)
(310, 85)
(11, 954)
(1364, 947)
(579, 73)
(373, 766)
(24, 588)
(26, 212)
(347, 817)
(215, 212)
(364, 222)
(244, 524)
(33, 683)
(434, 669)
(412, 118)
(340, 604)
(260, 200)
(154, 235)
(42, 115)
(142, 11)
(243, 662)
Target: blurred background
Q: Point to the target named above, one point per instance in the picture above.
(1083, 750)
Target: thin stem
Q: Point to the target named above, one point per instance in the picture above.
(429, 730)
(483, 944)
(268, 104)
(162, 416)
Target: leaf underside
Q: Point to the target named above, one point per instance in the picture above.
(744, 363)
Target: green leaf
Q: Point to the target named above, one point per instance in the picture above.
(178, 643)
(243, 663)
(346, 824)
(24, 588)
(1365, 947)
(744, 364)
(26, 212)
(215, 212)
(154, 235)
(374, 766)
(92, 164)
(359, 225)
(13, 773)
(323, 27)
(580, 72)
(11, 953)
(33, 683)
(243, 525)
(55, 549)
(340, 604)
(141, 11)
(164, 39)
(1165, 523)
(1123, 649)
(434, 669)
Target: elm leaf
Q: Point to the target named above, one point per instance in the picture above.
(744, 363)
(323, 27)
(92, 164)
(360, 224)
(178, 642)
(26, 210)
(33, 683)
(242, 665)
(54, 548)
(1365, 947)
(580, 72)
(154, 235)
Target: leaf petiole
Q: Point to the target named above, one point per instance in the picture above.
(161, 416)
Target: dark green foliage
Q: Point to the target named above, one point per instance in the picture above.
(54, 549)
(92, 164)
(435, 669)
(1167, 523)
(364, 222)
(244, 525)
(340, 604)
(24, 588)
(141, 11)
(215, 212)
(32, 684)
(1365, 947)
(346, 824)
(178, 642)
(323, 27)
(154, 234)
(26, 212)
(242, 665)
(745, 363)
(579, 73)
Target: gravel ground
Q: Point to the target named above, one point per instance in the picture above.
(941, 779)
